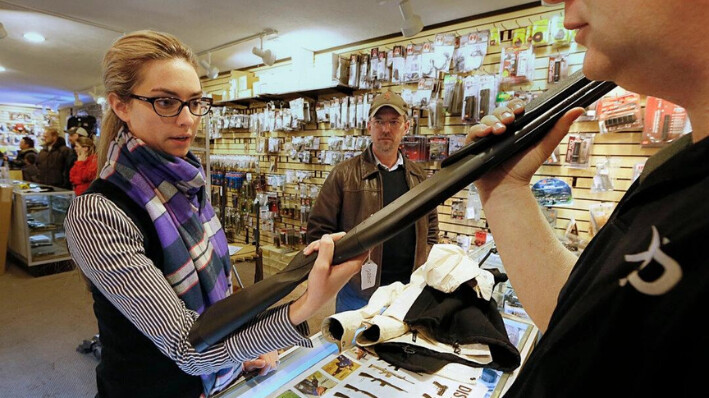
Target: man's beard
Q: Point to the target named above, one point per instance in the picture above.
(386, 146)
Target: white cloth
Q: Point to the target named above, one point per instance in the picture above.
(446, 268)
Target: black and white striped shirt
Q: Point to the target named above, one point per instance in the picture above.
(108, 247)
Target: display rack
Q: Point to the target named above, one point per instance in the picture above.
(37, 232)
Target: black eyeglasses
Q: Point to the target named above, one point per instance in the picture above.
(169, 107)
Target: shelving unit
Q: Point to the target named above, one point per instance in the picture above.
(336, 89)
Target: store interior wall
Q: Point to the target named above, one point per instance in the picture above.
(623, 147)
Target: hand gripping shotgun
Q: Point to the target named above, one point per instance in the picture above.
(457, 172)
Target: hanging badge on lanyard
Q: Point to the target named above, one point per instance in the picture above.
(368, 273)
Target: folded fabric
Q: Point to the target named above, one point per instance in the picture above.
(458, 319)
(341, 328)
(448, 266)
(445, 315)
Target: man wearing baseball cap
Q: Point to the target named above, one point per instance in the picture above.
(362, 185)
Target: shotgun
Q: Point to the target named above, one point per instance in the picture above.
(457, 171)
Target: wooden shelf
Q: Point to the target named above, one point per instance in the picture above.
(312, 93)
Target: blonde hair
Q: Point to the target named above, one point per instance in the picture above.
(87, 142)
(122, 71)
(53, 130)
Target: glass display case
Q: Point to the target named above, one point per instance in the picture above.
(322, 371)
(37, 230)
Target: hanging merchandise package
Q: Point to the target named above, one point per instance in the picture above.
(487, 95)
(519, 37)
(455, 142)
(558, 68)
(428, 67)
(364, 81)
(600, 213)
(412, 64)
(436, 115)
(559, 35)
(664, 122)
(470, 99)
(474, 208)
(578, 151)
(603, 179)
(552, 192)
(540, 32)
(373, 67)
(424, 93)
(359, 115)
(352, 113)
(619, 113)
(475, 50)
(344, 114)
(353, 79)
(398, 65)
(452, 95)
(333, 113)
(516, 64)
(437, 148)
(443, 49)
(384, 67)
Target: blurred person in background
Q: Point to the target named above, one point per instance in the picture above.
(54, 158)
(84, 170)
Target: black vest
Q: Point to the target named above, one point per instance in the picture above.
(131, 365)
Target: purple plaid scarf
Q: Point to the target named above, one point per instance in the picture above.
(196, 256)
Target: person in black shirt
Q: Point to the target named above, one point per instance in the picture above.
(26, 147)
(620, 320)
(624, 318)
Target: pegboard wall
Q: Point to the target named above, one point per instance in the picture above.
(623, 148)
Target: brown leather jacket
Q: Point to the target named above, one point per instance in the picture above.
(351, 193)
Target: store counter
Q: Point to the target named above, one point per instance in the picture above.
(323, 372)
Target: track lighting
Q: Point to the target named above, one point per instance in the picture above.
(77, 100)
(268, 57)
(212, 71)
(97, 95)
(412, 23)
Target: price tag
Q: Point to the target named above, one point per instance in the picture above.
(368, 274)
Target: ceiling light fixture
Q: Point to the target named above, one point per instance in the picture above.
(3, 32)
(96, 94)
(268, 54)
(268, 57)
(77, 100)
(34, 37)
(212, 71)
(412, 23)
(2, 68)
